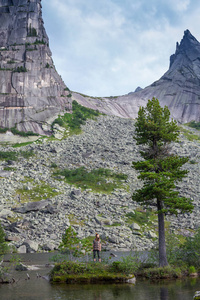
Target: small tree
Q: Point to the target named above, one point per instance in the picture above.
(159, 169)
(70, 242)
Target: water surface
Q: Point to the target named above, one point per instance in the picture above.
(40, 289)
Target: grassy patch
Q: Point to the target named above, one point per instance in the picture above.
(190, 135)
(78, 117)
(72, 272)
(99, 180)
(161, 272)
(8, 155)
(140, 217)
(11, 155)
(194, 124)
(18, 145)
(36, 192)
(15, 131)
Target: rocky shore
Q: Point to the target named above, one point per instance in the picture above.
(35, 220)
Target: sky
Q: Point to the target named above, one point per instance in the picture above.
(110, 47)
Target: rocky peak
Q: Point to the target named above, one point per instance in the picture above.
(178, 88)
(189, 47)
(31, 91)
(25, 25)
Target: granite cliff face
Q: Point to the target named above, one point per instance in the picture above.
(178, 88)
(31, 91)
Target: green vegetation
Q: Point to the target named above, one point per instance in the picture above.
(11, 155)
(39, 42)
(159, 169)
(3, 244)
(67, 89)
(194, 124)
(32, 31)
(18, 145)
(8, 155)
(3, 130)
(20, 69)
(184, 259)
(99, 180)
(140, 217)
(72, 244)
(15, 131)
(190, 135)
(36, 192)
(165, 272)
(78, 117)
(10, 62)
(73, 272)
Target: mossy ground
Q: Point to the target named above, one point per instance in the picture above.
(75, 272)
(98, 180)
(35, 192)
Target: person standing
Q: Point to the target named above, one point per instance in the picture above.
(97, 247)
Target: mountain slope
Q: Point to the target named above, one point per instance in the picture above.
(178, 88)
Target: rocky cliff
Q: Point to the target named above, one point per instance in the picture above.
(31, 91)
(178, 88)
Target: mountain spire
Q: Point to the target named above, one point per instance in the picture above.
(32, 93)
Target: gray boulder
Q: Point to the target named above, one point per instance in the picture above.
(33, 206)
(31, 246)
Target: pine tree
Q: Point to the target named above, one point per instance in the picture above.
(159, 169)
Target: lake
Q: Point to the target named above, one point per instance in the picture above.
(38, 288)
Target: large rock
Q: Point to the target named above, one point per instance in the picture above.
(31, 246)
(197, 295)
(31, 91)
(34, 206)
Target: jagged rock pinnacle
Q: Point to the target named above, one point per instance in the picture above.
(178, 88)
(31, 91)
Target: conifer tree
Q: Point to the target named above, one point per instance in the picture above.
(159, 169)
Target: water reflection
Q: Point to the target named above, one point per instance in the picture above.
(164, 293)
(40, 289)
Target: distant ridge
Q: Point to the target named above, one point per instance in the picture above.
(178, 88)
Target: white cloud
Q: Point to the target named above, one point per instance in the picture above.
(110, 47)
(179, 5)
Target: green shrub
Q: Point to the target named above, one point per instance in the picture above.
(3, 244)
(53, 165)
(3, 130)
(161, 272)
(8, 155)
(32, 31)
(15, 131)
(190, 250)
(78, 117)
(194, 124)
(128, 265)
(96, 179)
(139, 217)
(192, 270)
(20, 69)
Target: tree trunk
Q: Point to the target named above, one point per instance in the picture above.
(161, 233)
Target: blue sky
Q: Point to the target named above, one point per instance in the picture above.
(110, 47)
